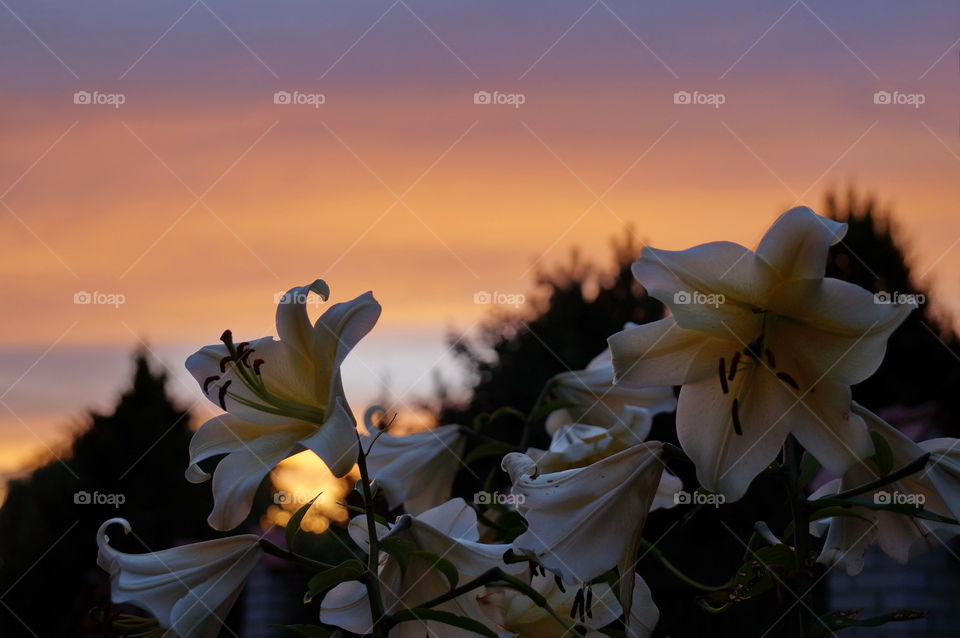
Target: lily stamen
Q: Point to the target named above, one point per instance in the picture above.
(723, 377)
(222, 397)
(208, 381)
(735, 414)
(786, 378)
(734, 362)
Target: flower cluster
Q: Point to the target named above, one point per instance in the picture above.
(764, 367)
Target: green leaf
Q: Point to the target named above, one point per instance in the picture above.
(442, 565)
(883, 455)
(830, 512)
(837, 620)
(399, 548)
(444, 617)
(808, 469)
(898, 508)
(293, 525)
(345, 571)
(485, 450)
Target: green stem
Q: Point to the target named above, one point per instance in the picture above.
(792, 455)
(912, 467)
(673, 569)
(371, 576)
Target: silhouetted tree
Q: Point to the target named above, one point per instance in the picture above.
(48, 577)
(515, 354)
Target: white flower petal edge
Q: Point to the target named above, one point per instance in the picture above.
(595, 399)
(188, 589)
(764, 346)
(450, 531)
(281, 397)
(602, 507)
(415, 470)
(520, 617)
(901, 537)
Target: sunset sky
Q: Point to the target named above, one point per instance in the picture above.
(198, 198)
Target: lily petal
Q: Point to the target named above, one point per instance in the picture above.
(189, 589)
(796, 245)
(603, 506)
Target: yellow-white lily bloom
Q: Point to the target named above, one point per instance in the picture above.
(188, 589)
(900, 536)
(449, 531)
(576, 445)
(281, 396)
(517, 616)
(593, 397)
(586, 521)
(415, 470)
(764, 346)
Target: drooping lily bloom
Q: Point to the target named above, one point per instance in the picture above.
(594, 398)
(900, 536)
(576, 445)
(282, 396)
(415, 470)
(513, 612)
(586, 521)
(188, 589)
(764, 346)
(449, 531)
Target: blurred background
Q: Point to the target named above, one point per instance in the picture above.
(167, 170)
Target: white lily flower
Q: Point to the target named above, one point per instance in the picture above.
(188, 589)
(513, 612)
(281, 397)
(415, 470)
(576, 445)
(586, 521)
(594, 398)
(764, 346)
(449, 531)
(900, 536)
